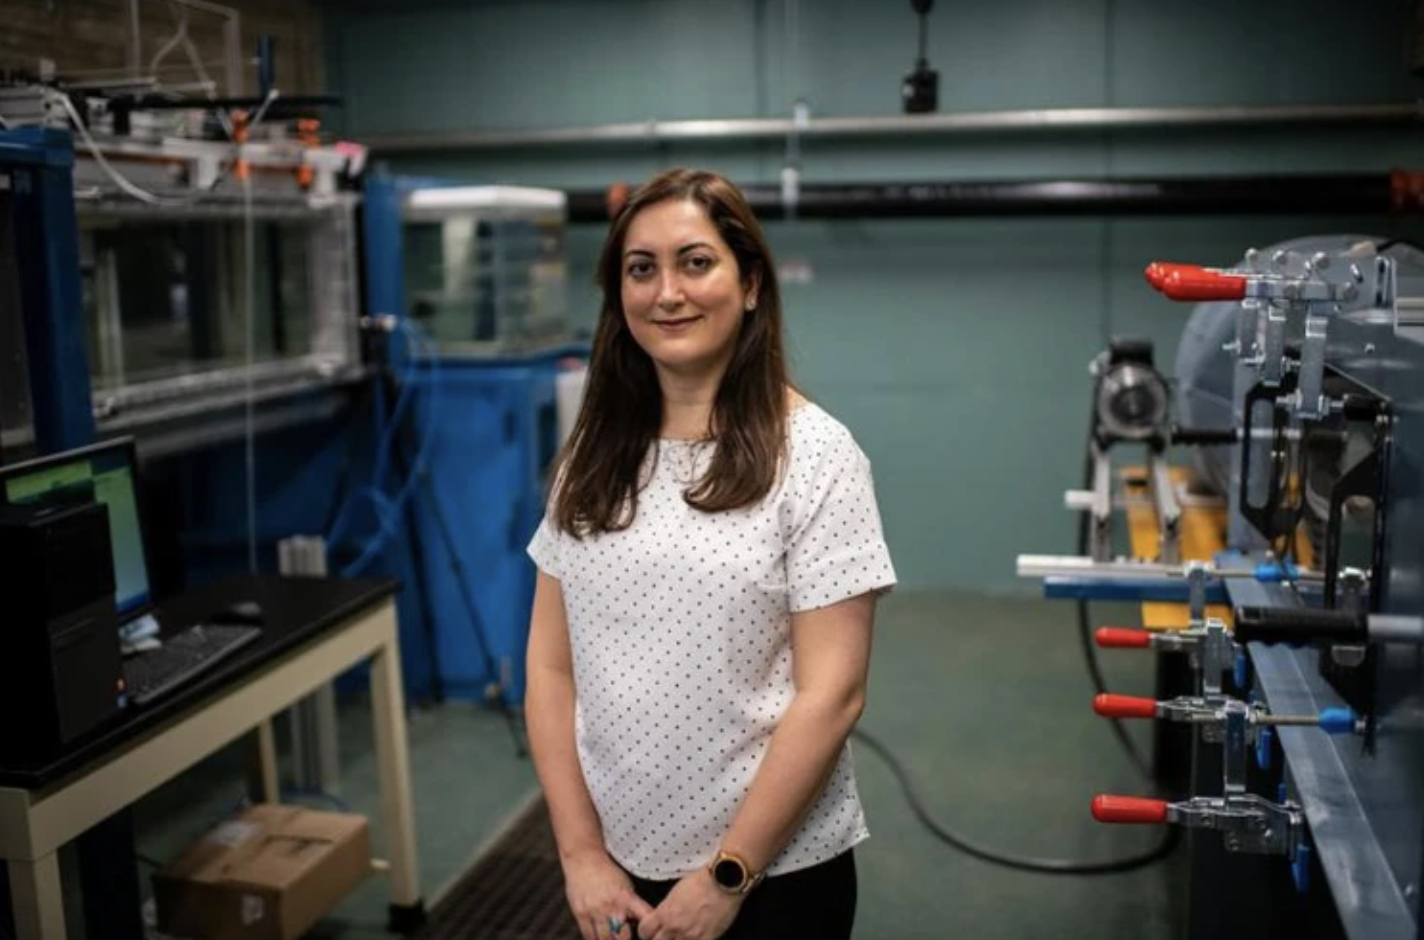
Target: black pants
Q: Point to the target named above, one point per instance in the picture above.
(816, 903)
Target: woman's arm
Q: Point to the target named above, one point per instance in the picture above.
(549, 715)
(830, 658)
(600, 894)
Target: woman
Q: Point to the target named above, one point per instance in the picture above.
(708, 569)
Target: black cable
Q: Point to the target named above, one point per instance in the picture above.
(1046, 866)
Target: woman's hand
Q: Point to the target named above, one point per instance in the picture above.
(695, 909)
(601, 896)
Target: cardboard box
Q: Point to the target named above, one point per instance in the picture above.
(269, 873)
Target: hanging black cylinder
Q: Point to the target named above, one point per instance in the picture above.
(1363, 193)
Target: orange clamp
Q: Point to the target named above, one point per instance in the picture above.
(1128, 809)
(1124, 706)
(1194, 282)
(307, 129)
(1123, 638)
(240, 132)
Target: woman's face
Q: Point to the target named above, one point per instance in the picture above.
(683, 293)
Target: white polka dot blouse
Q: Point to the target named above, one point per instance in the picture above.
(680, 628)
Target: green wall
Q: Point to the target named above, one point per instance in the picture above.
(956, 350)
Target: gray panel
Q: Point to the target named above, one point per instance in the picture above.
(1325, 775)
(1365, 809)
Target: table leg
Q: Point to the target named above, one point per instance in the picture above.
(392, 755)
(267, 758)
(38, 899)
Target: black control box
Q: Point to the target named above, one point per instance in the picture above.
(61, 671)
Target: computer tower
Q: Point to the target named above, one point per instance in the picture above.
(61, 673)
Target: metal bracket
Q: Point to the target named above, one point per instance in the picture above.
(1310, 398)
(1169, 513)
(1248, 823)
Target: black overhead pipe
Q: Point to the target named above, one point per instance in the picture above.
(1365, 193)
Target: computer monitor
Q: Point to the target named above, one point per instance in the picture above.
(105, 473)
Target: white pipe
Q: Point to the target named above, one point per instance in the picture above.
(654, 132)
(1080, 566)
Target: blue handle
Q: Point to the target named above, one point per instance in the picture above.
(1276, 572)
(1264, 737)
(1163, 590)
(1300, 868)
(1338, 720)
(1240, 671)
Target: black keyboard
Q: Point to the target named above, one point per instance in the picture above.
(181, 657)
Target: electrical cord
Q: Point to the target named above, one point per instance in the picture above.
(388, 510)
(1171, 838)
(1027, 863)
(179, 36)
(336, 530)
(121, 181)
(138, 192)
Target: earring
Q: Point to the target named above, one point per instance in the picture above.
(751, 305)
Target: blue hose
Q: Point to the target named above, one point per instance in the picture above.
(388, 510)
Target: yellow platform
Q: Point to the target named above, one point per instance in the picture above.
(1203, 534)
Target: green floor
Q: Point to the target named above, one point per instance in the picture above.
(986, 702)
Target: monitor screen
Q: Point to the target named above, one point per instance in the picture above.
(106, 474)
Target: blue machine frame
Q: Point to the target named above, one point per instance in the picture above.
(482, 494)
(38, 166)
(1365, 810)
(1360, 791)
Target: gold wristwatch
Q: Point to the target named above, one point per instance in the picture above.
(732, 874)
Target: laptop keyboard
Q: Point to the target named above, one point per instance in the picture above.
(182, 656)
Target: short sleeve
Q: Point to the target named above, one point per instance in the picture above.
(545, 547)
(836, 548)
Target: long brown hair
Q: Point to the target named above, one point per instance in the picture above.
(623, 403)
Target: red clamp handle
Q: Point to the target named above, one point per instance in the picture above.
(1194, 282)
(1157, 273)
(1123, 638)
(1128, 809)
(1124, 706)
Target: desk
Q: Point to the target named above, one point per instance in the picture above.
(316, 629)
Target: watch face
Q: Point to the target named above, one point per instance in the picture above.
(729, 874)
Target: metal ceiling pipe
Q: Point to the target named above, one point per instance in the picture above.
(1367, 193)
(655, 132)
